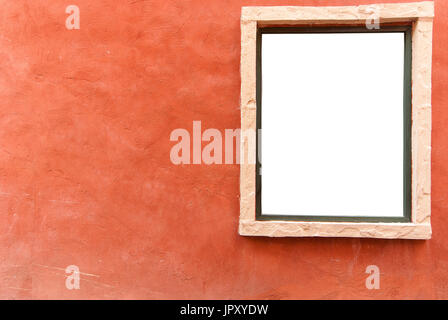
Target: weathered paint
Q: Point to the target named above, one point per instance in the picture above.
(86, 178)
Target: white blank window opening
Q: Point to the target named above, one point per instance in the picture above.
(333, 124)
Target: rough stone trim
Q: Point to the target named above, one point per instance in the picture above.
(421, 15)
(333, 229)
(248, 117)
(421, 120)
(387, 12)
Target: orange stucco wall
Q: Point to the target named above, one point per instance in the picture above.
(86, 177)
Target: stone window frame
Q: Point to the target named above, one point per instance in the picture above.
(420, 15)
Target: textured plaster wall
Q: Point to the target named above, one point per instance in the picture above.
(86, 178)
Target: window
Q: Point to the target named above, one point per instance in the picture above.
(344, 112)
(334, 105)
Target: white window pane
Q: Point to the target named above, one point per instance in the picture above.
(332, 122)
